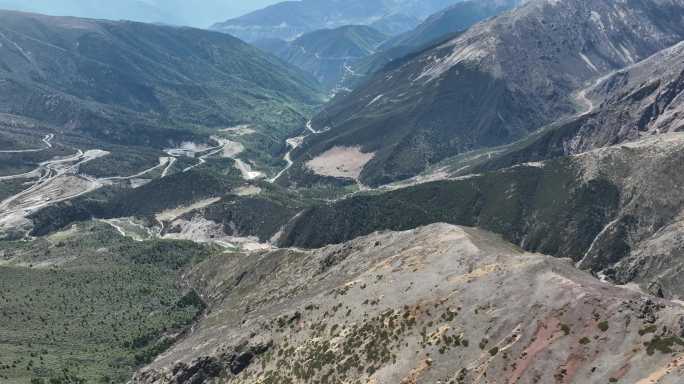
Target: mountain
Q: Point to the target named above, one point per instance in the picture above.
(500, 204)
(456, 18)
(602, 182)
(341, 58)
(436, 304)
(93, 108)
(328, 54)
(636, 102)
(196, 13)
(125, 9)
(491, 85)
(436, 29)
(133, 83)
(290, 19)
(614, 210)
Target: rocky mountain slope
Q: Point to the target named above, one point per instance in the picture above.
(613, 210)
(456, 18)
(328, 54)
(436, 304)
(639, 101)
(436, 29)
(290, 19)
(636, 102)
(142, 84)
(491, 85)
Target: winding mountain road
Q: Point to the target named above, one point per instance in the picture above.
(59, 180)
(47, 140)
(583, 99)
(294, 143)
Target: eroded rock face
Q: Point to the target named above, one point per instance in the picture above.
(436, 304)
(641, 243)
(639, 101)
(204, 369)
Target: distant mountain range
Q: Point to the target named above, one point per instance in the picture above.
(129, 82)
(196, 13)
(456, 18)
(343, 57)
(438, 28)
(327, 54)
(291, 19)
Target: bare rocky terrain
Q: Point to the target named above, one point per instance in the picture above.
(438, 304)
(639, 101)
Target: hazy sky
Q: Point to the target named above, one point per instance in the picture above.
(197, 13)
(240, 7)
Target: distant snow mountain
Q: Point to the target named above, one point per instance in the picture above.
(289, 20)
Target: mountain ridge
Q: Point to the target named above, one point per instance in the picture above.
(455, 18)
(288, 20)
(427, 305)
(511, 76)
(107, 72)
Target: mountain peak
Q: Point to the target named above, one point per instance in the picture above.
(494, 83)
(290, 19)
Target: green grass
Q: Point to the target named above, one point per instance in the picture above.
(88, 304)
(651, 328)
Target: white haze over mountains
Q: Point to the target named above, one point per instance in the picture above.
(196, 13)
